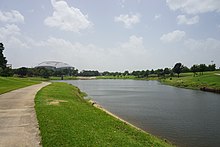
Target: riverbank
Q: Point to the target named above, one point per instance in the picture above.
(66, 119)
(209, 81)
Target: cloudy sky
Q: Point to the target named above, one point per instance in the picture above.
(113, 35)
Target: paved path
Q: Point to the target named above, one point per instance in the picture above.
(18, 123)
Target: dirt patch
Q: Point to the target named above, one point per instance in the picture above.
(56, 102)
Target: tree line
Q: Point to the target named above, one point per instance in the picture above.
(47, 72)
(177, 69)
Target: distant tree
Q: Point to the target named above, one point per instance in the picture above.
(136, 73)
(74, 72)
(185, 69)
(195, 69)
(159, 72)
(44, 72)
(4, 70)
(166, 71)
(3, 60)
(126, 73)
(178, 68)
(22, 72)
(146, 74)
(152, 72)
(88, 73)
(211, 67)
(106, 73)
(202, 68)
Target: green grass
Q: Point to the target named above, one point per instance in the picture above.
(75, 122)
(10, 83)
(64, 78)
(187, 80)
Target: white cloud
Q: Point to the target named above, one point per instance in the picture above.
(122, 3)
(128, 19)
(194, 6)
(182, 19)
(133, 45)
(9, 30)
(12, 16)
(174, 36)
(157, 16)
(11, 36)
(129, 54)
(203, 45)
(67, 18)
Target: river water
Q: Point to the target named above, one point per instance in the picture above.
(184, 117)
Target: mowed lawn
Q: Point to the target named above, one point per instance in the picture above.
(10, 83)
(66, 119)
(188, 80)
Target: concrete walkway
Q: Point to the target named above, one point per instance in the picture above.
(18, 123)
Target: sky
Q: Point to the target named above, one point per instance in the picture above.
(111, 35)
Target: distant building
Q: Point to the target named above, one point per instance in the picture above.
(54, 65)
(9, 66)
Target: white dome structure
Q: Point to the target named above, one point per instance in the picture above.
(54, 65)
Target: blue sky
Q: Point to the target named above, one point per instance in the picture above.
(114, 35)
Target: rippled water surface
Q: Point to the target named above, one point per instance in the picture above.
(185, 117)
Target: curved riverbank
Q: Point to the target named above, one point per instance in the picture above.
(67, 119)
(182, 116)
(208, 81)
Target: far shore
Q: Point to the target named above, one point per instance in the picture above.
(85, 78)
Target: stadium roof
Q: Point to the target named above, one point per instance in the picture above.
(54, 64)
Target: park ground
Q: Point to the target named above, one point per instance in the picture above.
(186, 80)
(67, 119)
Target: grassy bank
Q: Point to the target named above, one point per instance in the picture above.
(10, 83)
(187, 80)
(66, 119)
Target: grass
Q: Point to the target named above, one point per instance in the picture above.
(187, 80)
(10, 83)
(64, 78)
(66, 119)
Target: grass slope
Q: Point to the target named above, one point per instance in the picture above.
(66, 119)
(187, 80)
(9, 83)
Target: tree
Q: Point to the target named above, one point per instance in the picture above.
(202, 68)
(178, 68)
(195, 69)
(21, 72)
(185, 69)
(166, 71)
(4, 70)
(146, 74)
(159, 72)
(3, 60)
(126, 73)
(152, 72)
(212, 67)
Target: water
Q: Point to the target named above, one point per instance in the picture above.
(184, 117)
